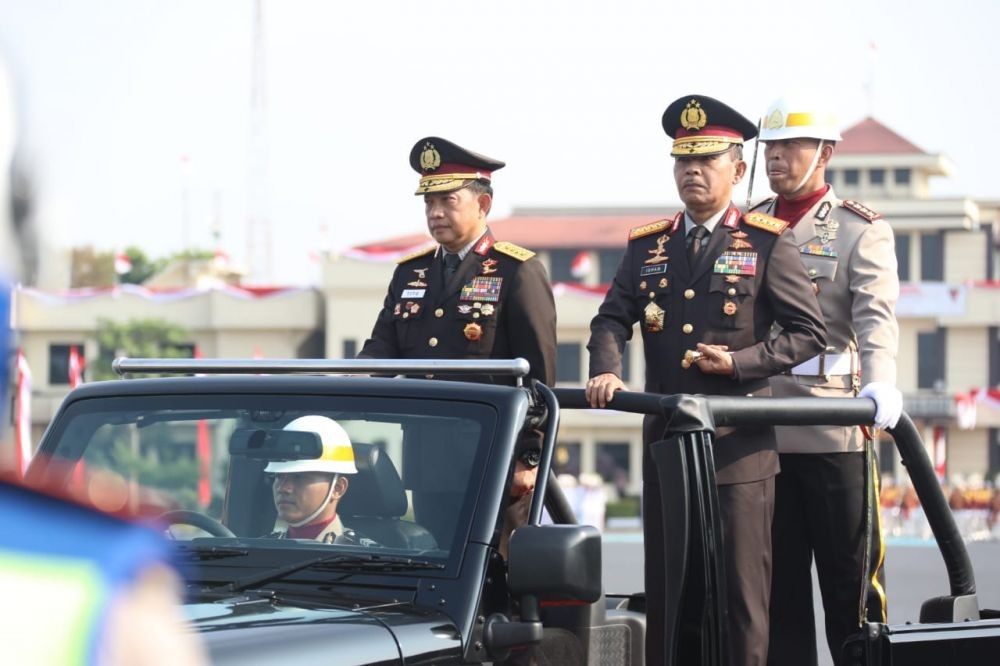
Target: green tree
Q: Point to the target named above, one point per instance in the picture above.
(142, 266)
(138, 338)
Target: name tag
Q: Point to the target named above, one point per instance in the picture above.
(652, 270)
(413, 293)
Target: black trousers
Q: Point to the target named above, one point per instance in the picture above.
(820, 513)
(746, 510)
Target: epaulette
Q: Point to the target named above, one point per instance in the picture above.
(860, 209)
(765, 222)
(511, 250)
(763, 202)
(419, 253)
(648, 229)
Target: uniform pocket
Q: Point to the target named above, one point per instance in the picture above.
(730, 302)
(819, 267)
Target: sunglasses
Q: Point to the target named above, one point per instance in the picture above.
(531, 457)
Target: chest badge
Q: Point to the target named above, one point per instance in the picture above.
(482, 289)
(419, 282)
(489, 266)
(653, 316)
(739, 241)
(736, 262)
(658, 253)
(473, 331)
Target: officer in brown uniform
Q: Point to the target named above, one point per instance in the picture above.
(714, 280)
(471, 296)
(826, 494)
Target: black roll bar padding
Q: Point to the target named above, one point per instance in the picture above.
(935, 505)
(557, 504)
(548, 446)
(761, 411)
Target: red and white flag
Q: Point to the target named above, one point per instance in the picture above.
(123, 264)
(76, 366)
(203, 453)
(580, 268)
(22, 415)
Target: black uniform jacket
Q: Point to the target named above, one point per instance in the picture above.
(497, 305)
(748, 277)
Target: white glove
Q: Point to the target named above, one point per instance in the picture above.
(888, 403)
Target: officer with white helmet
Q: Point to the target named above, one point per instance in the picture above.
(307, 492)
(825, 506)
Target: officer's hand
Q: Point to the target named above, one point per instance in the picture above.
(601, 389)
(888, 403)
(716, 360)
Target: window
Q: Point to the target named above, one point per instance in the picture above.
(930, 359)
(566, 459)
(901, 176)
(59, 363)
(568, 362)
(903, 256)
(876, 177)
(829, 175)
(609, 264)
(561, 263)
(612, 463)
(932, 256)
(851, 177)
(349, 348)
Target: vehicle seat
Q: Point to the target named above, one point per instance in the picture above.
(375, 500)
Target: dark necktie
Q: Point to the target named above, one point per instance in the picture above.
(451, 262)
(696, 241)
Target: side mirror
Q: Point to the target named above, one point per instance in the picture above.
(556, 563)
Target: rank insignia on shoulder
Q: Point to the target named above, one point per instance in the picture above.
(860, 209)
(764, 203)
(647, 229)
(765, 222)
(511, 250)
(414, 255)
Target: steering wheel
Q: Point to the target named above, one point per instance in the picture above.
(199, 520)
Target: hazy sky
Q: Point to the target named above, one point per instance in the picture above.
(137, 113)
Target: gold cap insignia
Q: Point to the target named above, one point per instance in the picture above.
(430, 158)
(693, 116)
(776, 120)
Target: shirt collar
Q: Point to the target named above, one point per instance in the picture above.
(461, 253)
(709, 224)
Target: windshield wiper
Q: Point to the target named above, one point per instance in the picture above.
(339, 562)
(204, 553)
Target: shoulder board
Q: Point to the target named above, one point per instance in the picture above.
(648, 229)
(765, 222)
(512, 250)
(419, 253)
(860, 209)
(763, 203)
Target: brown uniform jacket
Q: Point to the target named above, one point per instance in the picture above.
(497, 305)
(732, 296)
(850, 255)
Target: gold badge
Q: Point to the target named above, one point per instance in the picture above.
(396, 310)
(663, 283)
(740, 241)
(732, 279)
(729, 308)
(658, 255)
(430, 158)
(653, 316)
(419, 282)
(776, 120)
(488, 266)
(642, 285)
(473, 332)
(693, 116)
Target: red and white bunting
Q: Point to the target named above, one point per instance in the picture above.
(76, 365)
(22, 415)
(581, 265)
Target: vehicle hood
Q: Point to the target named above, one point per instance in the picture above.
(250, 631)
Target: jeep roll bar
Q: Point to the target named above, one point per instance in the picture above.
(691, 423)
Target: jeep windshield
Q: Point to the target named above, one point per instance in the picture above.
(212, 466)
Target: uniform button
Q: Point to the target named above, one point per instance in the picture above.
(689, 294)
(652, 294)
(687, 328)
(406, 315)
(439, 312)
(812, 271)
(732, 291)
(475, 315)
(433, 342)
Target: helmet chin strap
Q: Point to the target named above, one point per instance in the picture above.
(312, 516)
(809, 171)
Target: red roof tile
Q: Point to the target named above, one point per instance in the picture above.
(543, 232)
(870, 137)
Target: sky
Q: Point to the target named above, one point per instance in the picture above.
(138, 127)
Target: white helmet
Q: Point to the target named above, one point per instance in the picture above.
(799, 116)
(337, 456)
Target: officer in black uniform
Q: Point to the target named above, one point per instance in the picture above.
(713, 281)
(471, 296)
